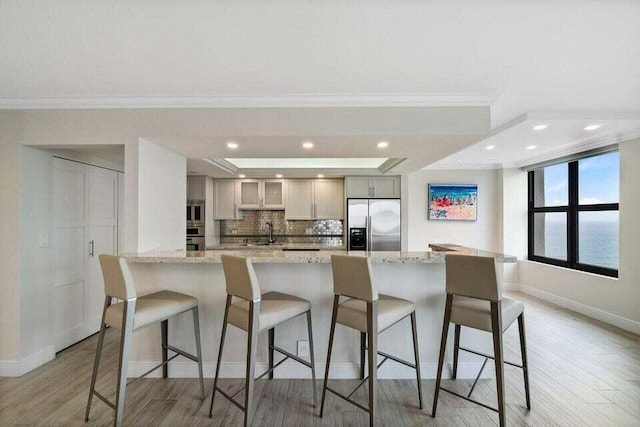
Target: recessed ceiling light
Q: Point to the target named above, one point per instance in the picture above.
(490, 147)
(242, 175)
(531, 147)
(592, 127)
(320, 175)
(383, 144)
(307, 144)
(232, 145)
(540, 127)
(278, 175)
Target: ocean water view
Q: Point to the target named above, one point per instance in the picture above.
(597, 244)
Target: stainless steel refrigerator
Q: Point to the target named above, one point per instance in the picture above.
(373, 224)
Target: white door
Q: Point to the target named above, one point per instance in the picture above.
(120, 213)
(103, 239)
(70, 243)
(85, 224)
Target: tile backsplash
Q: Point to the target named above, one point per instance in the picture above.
(253, 227)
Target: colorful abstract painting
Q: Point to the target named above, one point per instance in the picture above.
(453, 202)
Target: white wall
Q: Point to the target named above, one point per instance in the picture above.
(481, 234)
(615, 301)
(162, 196)
(35, 261)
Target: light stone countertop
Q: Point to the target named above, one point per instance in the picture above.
(311, 257)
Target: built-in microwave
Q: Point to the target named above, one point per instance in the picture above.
(195, 214)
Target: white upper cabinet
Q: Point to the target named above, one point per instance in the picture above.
(273, 193)
(385, 186)
(196, 187)
(249, 194)
(375, 187)
(299, 203)
(224, 199)
(329, 199)
(358, 187)
(261, 194)
(309, 199)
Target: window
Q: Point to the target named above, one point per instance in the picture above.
(573, 213)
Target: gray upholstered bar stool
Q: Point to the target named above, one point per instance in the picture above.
(474, 300)
(136, 313)
(370, 313)
(255, 313)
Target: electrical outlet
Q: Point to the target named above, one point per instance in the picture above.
(43, 240)
(234, 231)
(303, 348)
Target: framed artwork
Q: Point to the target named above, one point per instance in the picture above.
(457, 202)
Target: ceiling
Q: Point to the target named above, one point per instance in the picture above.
(368, 69)
(519, 144)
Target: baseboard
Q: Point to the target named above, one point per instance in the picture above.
(17, 368)
(587, 310)
(343, 370)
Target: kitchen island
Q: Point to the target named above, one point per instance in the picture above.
(416, 276)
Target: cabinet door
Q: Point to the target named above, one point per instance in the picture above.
(358, 187)
(299, 203)
(385, 187)
(195, 188)
(224, 199)
(329, 199)
(273, 192)
(250, 194)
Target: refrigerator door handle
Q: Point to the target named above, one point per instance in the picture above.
(369, 227)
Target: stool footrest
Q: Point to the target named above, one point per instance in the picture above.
(364, 380)
(353, 402)
(104, 399)
(395, 359)
(468, 399)
(489, 357)
(292, 356)
(181, 352)
(230, 398)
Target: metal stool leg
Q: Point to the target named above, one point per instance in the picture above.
(252, 339)
(372, 335)
(272, 342)
(196, 329)
(123, 366)
(363, 352)
(224, 332)
(312, 358)
(496, 326)
(96, 364)
(164, 331)
(336, 299)
(443, 347)
(456, 349)
(523, 351)
(416, 353)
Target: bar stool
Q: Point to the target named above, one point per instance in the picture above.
(255, 313)
(132, 314)
(371, 314)
(474, 300)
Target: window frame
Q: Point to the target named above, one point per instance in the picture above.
(572, 211)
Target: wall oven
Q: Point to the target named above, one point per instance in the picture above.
(195, 214)
(195, 238)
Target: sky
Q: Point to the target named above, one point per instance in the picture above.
(598, 181)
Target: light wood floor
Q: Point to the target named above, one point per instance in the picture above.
(583, 372)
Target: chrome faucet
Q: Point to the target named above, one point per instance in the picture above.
(270, 227)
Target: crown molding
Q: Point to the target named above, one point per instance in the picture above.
(576, 148)
(251, 101)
